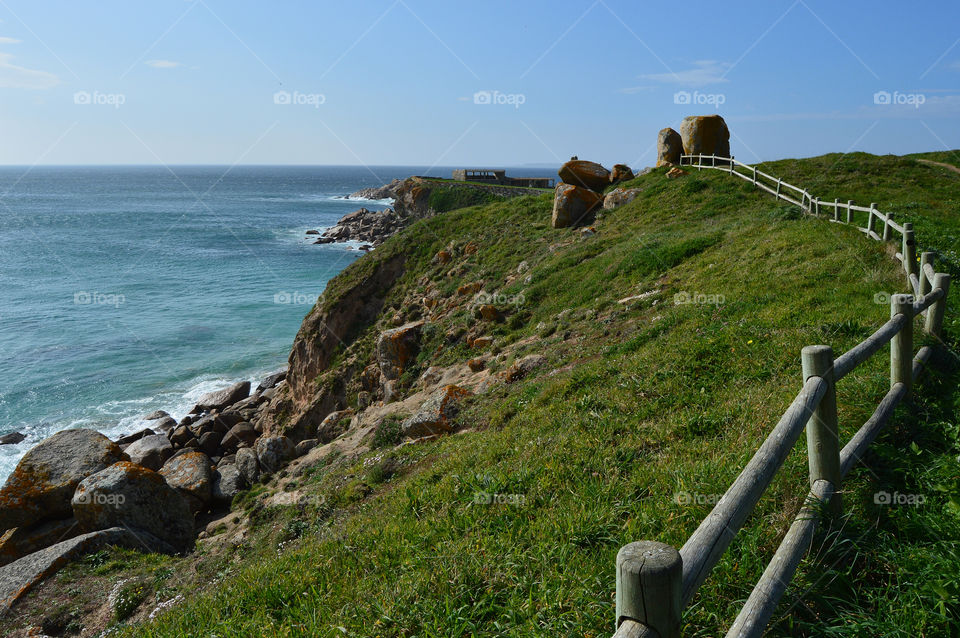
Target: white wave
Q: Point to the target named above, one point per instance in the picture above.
(388, 201)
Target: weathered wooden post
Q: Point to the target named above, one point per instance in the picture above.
(887, 228)
(909, 250)
(926, 259)
(849, 211)
(934, 321)
(754, 174)
(779, 182)
(873, 208)
(823, 441)
(836, 210)
(649, 576)
(901, 346)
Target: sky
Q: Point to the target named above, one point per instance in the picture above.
(417, 82)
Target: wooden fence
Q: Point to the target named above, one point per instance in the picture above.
(656, 582)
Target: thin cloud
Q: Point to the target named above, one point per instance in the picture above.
(163, 64)
(18, 77)
(6, 40)
(703, 72)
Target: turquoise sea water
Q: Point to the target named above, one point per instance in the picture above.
(131, 289)
(126, 290)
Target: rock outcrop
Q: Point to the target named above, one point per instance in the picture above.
(150, 451)
(705, 134)
(387, 191)
(222, 398)
(44, 480)
(620, 196)
(436, 414)
(669, 147)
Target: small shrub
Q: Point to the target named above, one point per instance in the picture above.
(387, 434)
(128, 599)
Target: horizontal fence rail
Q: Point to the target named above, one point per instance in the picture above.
(656, 582)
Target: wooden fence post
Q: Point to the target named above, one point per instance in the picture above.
(836, 210)
(849, 211)
(649, 576)
(779, 182)
(909, 250)
(901, 346)
(925, 258)
(823, 441)
(887, 228)
(934, 321)
(873, 207)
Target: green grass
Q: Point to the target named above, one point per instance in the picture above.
(511, 528)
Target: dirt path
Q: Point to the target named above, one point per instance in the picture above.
(949, 167)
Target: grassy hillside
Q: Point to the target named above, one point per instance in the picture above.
(510, 526)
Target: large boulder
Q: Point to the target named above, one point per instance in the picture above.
(190, 474)
(397, 347)
(248, 465)
(131, 496)
(271, 381)
(620, 173)
(620, 196)
(151, 451)
(436, 414)
(40, 487)
(273, 452)
(669, 147)
(222, 398)
(242, 433)
(706, 135)
(333, 425)
(572, 204)
(227, 483)
(589, 175)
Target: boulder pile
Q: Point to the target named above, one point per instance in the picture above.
(580, 191)
(699, 135)
(150, 484)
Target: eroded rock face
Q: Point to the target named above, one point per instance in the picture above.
(397, 347)
(620, 196)
(131, 496)
(436, 414)
(190, 474)
(669, 147)
(333, 323)
(705, 134)
(572, 205)
(44, 480)
(584, 174)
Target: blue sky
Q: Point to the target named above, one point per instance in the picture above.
(418, 82)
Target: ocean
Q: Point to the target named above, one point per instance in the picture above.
(132, 289)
